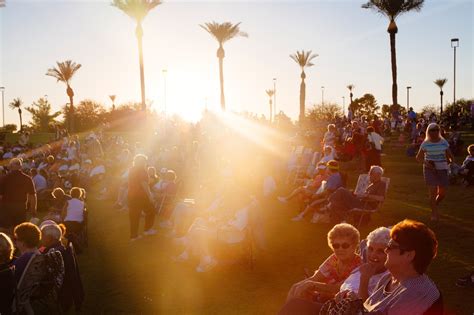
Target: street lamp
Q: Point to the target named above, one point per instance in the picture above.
(408, 98)
(2, 88)
(322, 95)
(454, 44)
(165, 72)
(274, 98)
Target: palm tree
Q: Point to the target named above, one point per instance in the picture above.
(64, 72)
(392, 9)
(303, 59)
(270, 94)
(138, 10)
(17, 103)
(112, 98)
(440, 83)
(351, 87)
(223, 32)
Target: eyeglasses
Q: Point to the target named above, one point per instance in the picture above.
(393, 245)
(433, 130)
(343, 245)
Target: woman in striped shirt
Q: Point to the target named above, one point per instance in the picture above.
(435, 155)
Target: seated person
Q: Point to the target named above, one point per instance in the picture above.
(467, 167)
(73, 211)
(60, 199)
(27, 236)
(7, 274)
(311, 186)
(166, 185)
(328, 154)
(333, 182)
(343, 239)
(343, 200)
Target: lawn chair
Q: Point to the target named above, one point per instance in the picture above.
(362, 184)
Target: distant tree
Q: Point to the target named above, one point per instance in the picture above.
(283, 122)
(366, 106)
(351, 87)
(392, 9)
(270, 94)
(427, 110)
(112, 98)
(41, 117)
(458, 114)
(16, 104)
(223, 32)
(9, 128)
(89, 115)
(326, 112)
(440, 83)
(304, 60)
(124, 117)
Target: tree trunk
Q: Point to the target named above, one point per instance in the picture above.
(392, 29)
(221, 55)
(441, 96)
(271, 110)
(139, 34)
(302, 98)
(72, 117)
(21, 119)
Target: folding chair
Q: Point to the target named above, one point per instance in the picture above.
(362, 184)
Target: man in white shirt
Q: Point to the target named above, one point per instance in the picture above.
(38, 180)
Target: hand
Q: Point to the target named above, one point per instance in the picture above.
(303, 289)
(367, 270)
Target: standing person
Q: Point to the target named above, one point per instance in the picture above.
(374, 150)
(435, 155)
(140, 198)
(17, 191)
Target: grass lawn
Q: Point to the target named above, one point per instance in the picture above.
(142, 279)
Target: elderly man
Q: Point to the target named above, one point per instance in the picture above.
(343, 200)
(17, 191)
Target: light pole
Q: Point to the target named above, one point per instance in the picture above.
(408, 98)
(2, 88)
(322, 95)
(274, 98)
(454, 44)
(165, 72)
(343, 106)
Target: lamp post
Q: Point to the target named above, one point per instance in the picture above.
(274, 98)
(322, 95)
(454, 44)
(408, 98)
(2, 88)
(343, 106)
(165, 72)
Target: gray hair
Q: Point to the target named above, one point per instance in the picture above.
(140, 158)
(52, 230)
(377, 169)
(380, 235)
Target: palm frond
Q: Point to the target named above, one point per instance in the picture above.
(270, 92)
(304, 58)
(64, 71)
(393, 8)
(223, 32)
(351, 87)
(16, 103)
(136, 9)
(441, 82)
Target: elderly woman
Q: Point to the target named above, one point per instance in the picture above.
(7, 274)
(435, 155)
(343, 239)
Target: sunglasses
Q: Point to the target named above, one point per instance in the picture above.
(433, 130)
(393, 245)
(343, 245)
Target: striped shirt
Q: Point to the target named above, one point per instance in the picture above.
(435, 151)
(412, 296)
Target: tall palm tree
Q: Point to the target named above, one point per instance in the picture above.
(223, 32)
(270, 94)
(17, 103)
(440, 83)
(392, 9)
(138, 10)
(64, 72)
(112, 98)
(304, 60)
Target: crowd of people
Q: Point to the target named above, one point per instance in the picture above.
(210, 194)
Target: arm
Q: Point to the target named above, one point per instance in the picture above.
(64, 211)
(146, 188)
(420, 156)
(449, 156)
(31, 200)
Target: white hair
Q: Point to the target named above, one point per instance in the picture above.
(52, 230)
(377, 169)
(140, 158)
(380, 235)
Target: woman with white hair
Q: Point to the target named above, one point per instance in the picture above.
(435, 155)
(7, 274)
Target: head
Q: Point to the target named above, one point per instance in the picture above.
(377, 241)
(433, 132)
(328, 150)
(333, 166)
(355, 124)
(15, 164)
(170, 176)
(375, 173)
(322, 168)
(140, 161)
(412, 247)
(76, 192)
(411, 109)
(51, 235)
(152, 171)
(50, 159)
(370, 129)
(27, 236)
(33, 172)
(332, 128)
(58, 193)
(470, 150)
(6, 248)
(343, 239)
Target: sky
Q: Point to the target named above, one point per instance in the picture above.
(352, 44)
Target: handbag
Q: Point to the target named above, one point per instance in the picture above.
(344, 307)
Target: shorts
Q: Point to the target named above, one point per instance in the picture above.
(435, 177)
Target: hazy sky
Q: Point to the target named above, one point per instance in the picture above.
(352, 44)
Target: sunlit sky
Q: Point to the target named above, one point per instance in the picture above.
(352, 44)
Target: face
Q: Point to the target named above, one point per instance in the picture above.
(374, 176)
(376, 255)
(343, 248)
(397, 258)
(433, 133)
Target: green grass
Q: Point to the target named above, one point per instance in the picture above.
(142, 279)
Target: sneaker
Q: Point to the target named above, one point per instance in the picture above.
(299, 217)
(206, 266)
(150, 232)
(165, 224)
(133, 239)
(282, 199)
(466, 282)
(182, 257)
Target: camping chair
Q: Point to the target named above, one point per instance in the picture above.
(362, 184)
